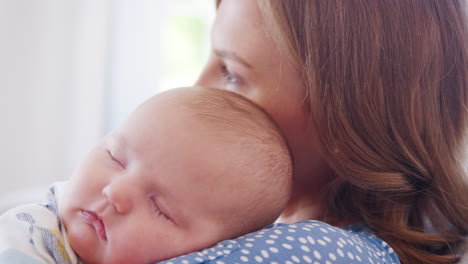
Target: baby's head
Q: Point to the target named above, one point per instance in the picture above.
(190, 167)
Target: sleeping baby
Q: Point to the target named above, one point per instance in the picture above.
(189, 168)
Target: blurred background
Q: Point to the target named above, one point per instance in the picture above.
(72, 70)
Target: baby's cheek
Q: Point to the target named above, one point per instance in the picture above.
(202, 238)
(83, 241)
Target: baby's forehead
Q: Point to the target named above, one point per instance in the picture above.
(214, 116)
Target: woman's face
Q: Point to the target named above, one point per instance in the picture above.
(244, 59)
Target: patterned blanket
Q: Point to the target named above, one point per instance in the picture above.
(34, 234)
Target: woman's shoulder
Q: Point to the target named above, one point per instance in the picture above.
(302, 242)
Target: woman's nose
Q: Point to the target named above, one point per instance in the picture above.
(120, 195)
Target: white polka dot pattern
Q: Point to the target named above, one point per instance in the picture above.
(304, 242)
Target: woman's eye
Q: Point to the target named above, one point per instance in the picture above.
(156, 209)
(229, 77)
(115, 159)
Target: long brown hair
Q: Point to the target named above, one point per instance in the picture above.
(387, 83)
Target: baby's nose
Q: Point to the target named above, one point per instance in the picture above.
(119, 194)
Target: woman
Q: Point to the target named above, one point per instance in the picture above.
(372, 97)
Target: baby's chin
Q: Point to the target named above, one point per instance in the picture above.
(96, 258)
(101, 256)
(84, 253)
(81, 241)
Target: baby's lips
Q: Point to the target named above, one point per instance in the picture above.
(96, 221)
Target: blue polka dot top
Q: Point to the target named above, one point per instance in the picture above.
(304, 242)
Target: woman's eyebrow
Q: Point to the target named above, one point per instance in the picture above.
(232, 56)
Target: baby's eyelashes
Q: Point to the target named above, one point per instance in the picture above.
(156, 209)
(121, 164)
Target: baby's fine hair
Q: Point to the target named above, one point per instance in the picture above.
(238, 120)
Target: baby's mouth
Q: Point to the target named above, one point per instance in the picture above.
(93, 219)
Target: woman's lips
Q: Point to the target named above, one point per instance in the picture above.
(96, 221)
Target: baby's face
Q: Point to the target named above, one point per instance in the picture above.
(153, 189)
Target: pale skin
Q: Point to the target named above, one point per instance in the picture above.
(244, 59)
(146, 192)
